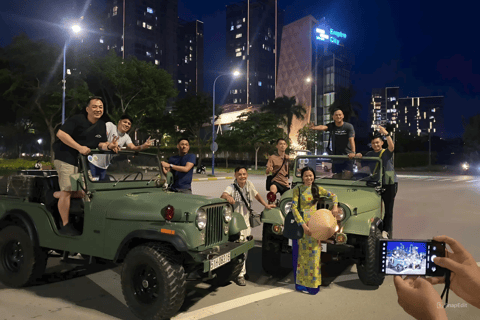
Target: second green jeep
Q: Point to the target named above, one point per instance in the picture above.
(129, 217)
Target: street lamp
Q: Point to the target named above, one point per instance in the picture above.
(76, 29)
(236, 73)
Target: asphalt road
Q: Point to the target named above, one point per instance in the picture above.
(425, 206)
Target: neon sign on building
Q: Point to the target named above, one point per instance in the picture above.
(329, 35)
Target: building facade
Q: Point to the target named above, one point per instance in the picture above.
(146, 29)
(190, 57)
(314, 64)
(384, 104)
(421, 115)
(252, 46)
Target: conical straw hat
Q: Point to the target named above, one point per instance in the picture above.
(322, 224)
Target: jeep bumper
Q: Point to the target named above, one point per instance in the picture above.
(219, 257)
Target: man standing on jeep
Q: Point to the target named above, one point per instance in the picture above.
(240, 194)
(78, 134)
(342, 136)
(277, 164)
(182, 167)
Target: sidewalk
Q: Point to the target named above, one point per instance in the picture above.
(207, 177)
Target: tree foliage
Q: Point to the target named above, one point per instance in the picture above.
(256, 130)
(34, 73)
(286, 108)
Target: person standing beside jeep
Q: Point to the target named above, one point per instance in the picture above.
(277, 164)
(389, 179)
(181, 167)
(77, 135)
(239, 192)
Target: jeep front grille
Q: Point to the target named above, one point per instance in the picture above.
(214, 232)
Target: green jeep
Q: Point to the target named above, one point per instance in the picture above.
(129, 217)
(360, 225)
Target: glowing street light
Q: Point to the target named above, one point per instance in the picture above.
(235, 74)
(76, 29)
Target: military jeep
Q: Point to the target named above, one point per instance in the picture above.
(357, 184)
(127, 216)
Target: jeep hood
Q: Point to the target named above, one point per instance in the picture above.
(148, 205)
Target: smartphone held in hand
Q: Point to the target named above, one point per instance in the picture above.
(410, 257)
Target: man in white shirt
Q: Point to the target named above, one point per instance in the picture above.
(233, 197)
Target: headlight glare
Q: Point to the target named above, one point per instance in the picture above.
(287, 207)
(201, 219)
(227, 213)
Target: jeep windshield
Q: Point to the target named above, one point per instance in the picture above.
(126, 166)
(340, 167)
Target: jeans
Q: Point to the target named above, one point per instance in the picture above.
(388, 197)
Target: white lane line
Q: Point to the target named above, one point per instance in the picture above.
(477, 180)
(228, 305)
(109, 281)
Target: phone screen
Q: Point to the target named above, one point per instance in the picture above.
(410, 257)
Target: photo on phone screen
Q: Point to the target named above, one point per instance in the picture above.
(410, 257)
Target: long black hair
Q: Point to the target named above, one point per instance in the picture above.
(316, 196)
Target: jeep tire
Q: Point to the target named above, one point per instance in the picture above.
(153, 282)
(21, 262)
(228, 272)
(271, 252)
(367, 267)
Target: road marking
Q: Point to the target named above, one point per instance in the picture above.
(232, 304)
(476, 180)
(212, 178)
(109, 281)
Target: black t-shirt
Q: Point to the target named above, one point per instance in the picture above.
(84, 133)
(340, 136)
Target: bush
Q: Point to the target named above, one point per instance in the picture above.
(8, 166)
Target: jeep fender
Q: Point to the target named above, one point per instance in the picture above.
(237, 223)
(175, 240)
(377, 224)
(273, 216)
(24, 219)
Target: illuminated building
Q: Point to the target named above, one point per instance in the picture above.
(384, 106)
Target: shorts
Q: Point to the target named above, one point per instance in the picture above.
(64, 170)
(280, 187)
(342, 165)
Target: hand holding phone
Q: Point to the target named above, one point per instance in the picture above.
(410, 257)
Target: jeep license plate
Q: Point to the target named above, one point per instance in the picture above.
(219, 261)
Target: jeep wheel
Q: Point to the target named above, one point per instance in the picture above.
(228, 272)
(153, 282)
(20, 261)
(367, 268)
(271, 251)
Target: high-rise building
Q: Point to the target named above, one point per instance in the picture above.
(421, 115)
(384, 106)
(190, 57)
(314, 64)
(146, 29)
(253, 34)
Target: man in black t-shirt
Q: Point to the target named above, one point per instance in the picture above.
(342, 135)
(78, 134)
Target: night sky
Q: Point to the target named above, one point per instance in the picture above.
(424, 47)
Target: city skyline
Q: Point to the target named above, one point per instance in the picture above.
(394, 44)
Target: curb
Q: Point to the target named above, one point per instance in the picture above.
(212, 178)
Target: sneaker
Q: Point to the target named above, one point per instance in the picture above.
(69, 230)
(385, 234)
(240, 281)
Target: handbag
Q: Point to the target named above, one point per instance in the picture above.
(270, 177)
(291, 229)
(254, 219)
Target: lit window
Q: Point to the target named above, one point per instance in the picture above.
(68, 71)
(433, 110)
(157, 62)
(238, 49)
(243, 57)
(259, 83)
(149, 54)
(239, 26)
(144, 25)
(235, 100)
(149, 27)
(243, 19)
(149, 10)
(239, 35)
(234, 91)
(179, 81)
(121, 48)
(115, 9)
(238, 54)
(232, 28)
(101, 40)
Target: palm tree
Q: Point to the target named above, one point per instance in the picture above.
(286, 108)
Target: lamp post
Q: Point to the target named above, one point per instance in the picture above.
(235, 74)
(76, 29)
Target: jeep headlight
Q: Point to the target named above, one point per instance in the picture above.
(340, 214)
(227, 213)
(287, 207)
(201, 219)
